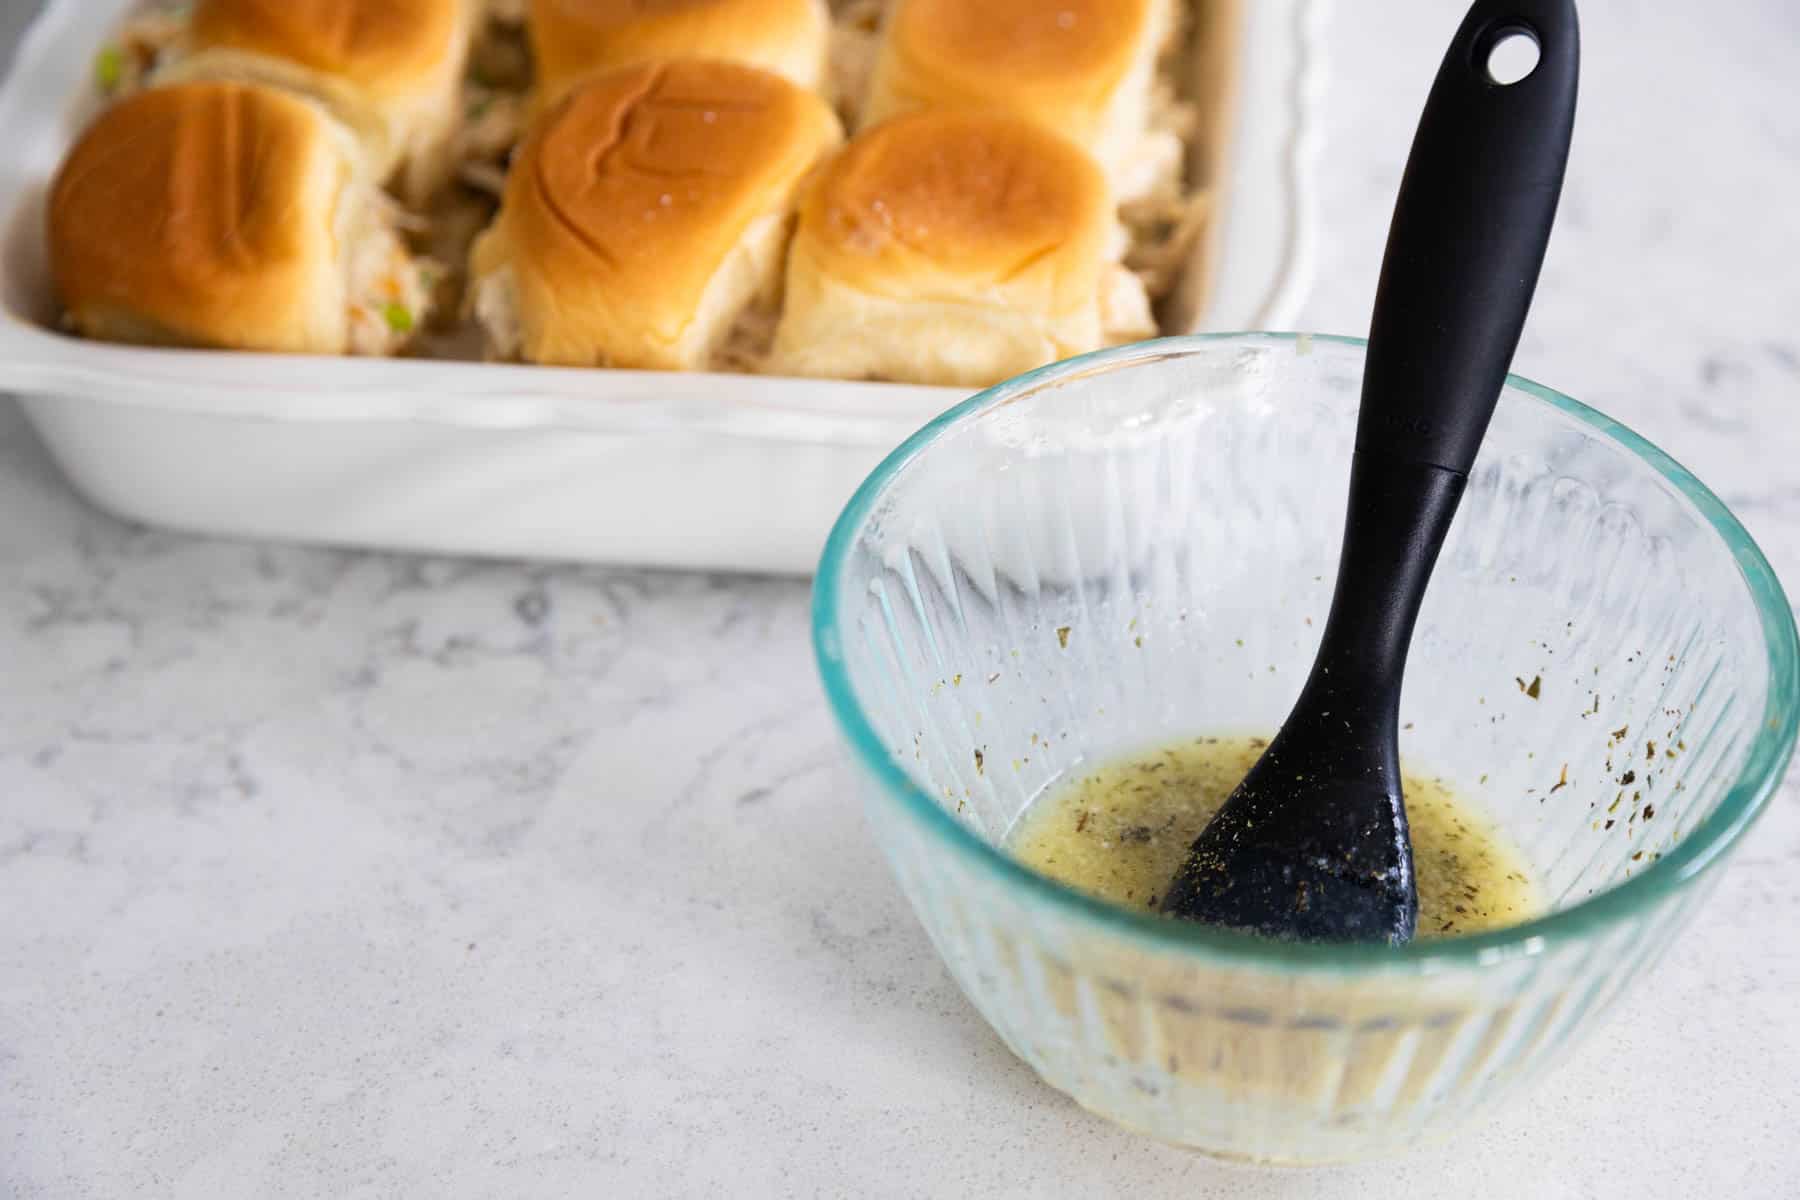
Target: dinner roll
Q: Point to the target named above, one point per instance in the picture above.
(391, 70)
(644, 213)
(947, 247)
(1084, 68)
(572, 38)
(227, 215)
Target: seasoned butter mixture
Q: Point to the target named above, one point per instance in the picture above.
(1120, 832)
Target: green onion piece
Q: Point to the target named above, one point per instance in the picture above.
(109, 67)
(398, 317)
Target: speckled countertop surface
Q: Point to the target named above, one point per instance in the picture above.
(343, 874)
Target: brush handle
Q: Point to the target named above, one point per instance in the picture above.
(1468, 237)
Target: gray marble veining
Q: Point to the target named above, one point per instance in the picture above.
(332, 873)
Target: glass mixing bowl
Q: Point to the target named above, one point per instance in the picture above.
(1140, 545)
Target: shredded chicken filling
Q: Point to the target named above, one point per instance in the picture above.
(391, 291)
(855, 42)
(147, 41)
(746, 346)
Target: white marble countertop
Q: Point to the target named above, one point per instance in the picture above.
(334, 873)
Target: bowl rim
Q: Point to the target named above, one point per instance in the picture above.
(1678, 868)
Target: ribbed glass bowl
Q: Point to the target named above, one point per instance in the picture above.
(1140, 544)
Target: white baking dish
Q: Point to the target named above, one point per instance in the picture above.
(711, 471)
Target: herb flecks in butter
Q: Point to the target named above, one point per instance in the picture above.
(1121, 831)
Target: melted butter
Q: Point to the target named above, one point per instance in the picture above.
(1120, 832)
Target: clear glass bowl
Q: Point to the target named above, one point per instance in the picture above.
(1140, 544)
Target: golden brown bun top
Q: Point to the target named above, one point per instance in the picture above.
(1060, 53)
(203, 206)
(571, 38)
(379, 44)
(955, 199)
(655, 169)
